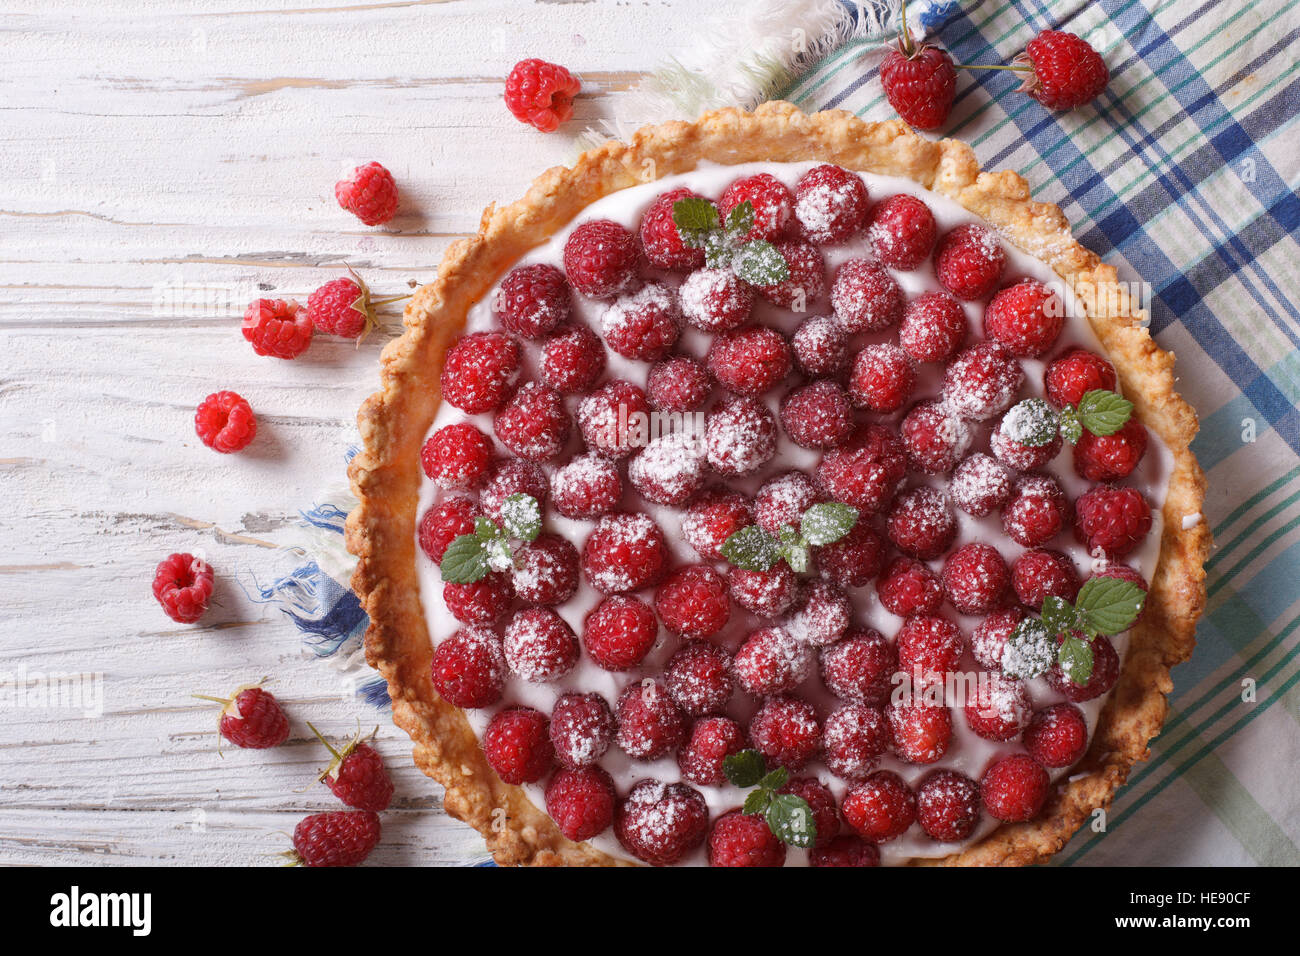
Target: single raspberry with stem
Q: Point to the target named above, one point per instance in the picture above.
(344, 307)
(743, 840)
(989, 639)
(279, 328)
(225, 422)
(182, 584)
(1064, 70)
(541, 94)
(582, 728)
(336, 838)
(581, 801)
(533, 300)
(370, 194)
(783, 499)
(517, 744)
(356, 774)
(919, 80)
(711, 741)
(251, 718)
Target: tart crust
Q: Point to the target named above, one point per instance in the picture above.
(385, 475)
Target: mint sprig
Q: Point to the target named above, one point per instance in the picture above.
(700, 225)
(754, 549)
(469, 557)
(1100, 411)
(788, 816)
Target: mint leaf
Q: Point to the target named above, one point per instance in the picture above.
(798, 556)
(775, 780)
(790, 818)
(1075, 658)
(759, 263)
(1059, 616)
(1103, 412)
(751, 548)
(1030, 650)
(827, 523)
(740, 220)
(1109, 605)
(1031, 422)
(521, 516)
(756, 801)
(1071, 429)
(718, 252)
(464, 560)
(745, 768)
(485, 529)
(695, 218)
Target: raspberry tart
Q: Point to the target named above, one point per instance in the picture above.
(777, 489)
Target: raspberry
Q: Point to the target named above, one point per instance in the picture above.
(1107, 458)
(975, 578)
(1039, 573)
(619, 632)
(929, 647)
(999, 709)
(740, 437)
(182, 584)
(989, 639)
(1111, 521)
(518, 746)
(1026, 318)
(659, 823)
(738, 839)
(948, 805)
(1014, 788)
(341, 307)
(600, 258)
(587, 487)
(1057, 736)
(572, 359)
(786, 732)
(969, 261)
(642, 325)
(807, 280)
(225, 422)
(699, 678)
(820, 346)
(337, 838)
(541, 94)
(901, 233)
(357, 776)
(1036, 511)
(457, 457)
(845, 851)
(854, 738)
(882, 378)
(909, 587)
(539, 645)
(534, 423)
(860, 667)
(669, 470)
(469, 668)
(711, 519)
(370, 194)
(865, 471)
(1068, 72)
(935, 438)
(855, 559)
(781, 501)
(921, 731)
(546, 570)
(581, 802)
(582, 728)
(865, 297)
(444, 523)
(749, 361)
(714, 300)
(1076, 373)
(608, 417)
(821, 615)
(921, 524)
(711, 741)
(692, 602)
(662, 242)
(253, 719)
(1012, 441)
(980, 485)
(770, 661)
(625, 552)
(1124, 573)
(932, 328)
(649, 723)
(533, 300)
(277, 328)
(484, 601)
(479, 371)
(765, 593)
(830, 204)
(817, 415)
(511, 476)
(919, 81)
(677, 384)
(1105, 672)
(881, 807)
(982, 381)
(772, 201)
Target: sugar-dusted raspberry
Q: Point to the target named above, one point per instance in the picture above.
(443, 523)
(935, 437)
(740, 436)
(613, 418)
(975, 578)
(644, 324)
(989, 639)
(882, 379)
(224, 422)
(921, 523)
(1040, 573)
(457, 457)
(692, 602)
(581, 802)
(909, 587)
(933, 327)
(546, 570)
(1014, 788)
(539, 645)
(625, 552)
(699, 678)
(855, 559)
(1057, 736)
(865, 297)
(712, 518)
(982, 381)
(518, 746)
(969, 261)
(534, 423)
(1026, 318)
(533, 300)
(820, 346)
(1111, 521)
(821, 614)
(999, 709)
(670, 469)
(817, 415)
(711, 741)
(980, 485)
(830, 204)
(740, 839)
(807, 281)
(1124, 573)
(751, 360)
(600, 259)
(662, 242)
(854, 737)
(480, 370)
(865, 471)
(582, 728)
(881, 807)
(677, 384)
(948, 805)
(771, 661)
(929, 646)
(572, 359)
(541, 94)
(370, 194)
(1105, 672)
(1013, 441)
(1110, 457)
(511, 476)
(922, 731)
(1036, 511)
(182, 584)
(785, 730)
(1068, 378)
(845, 851)
(715, 300)
(860, 667)
(277, 328)
(772, 201)
(649, 723)
(619, 632)
(782, 500)
(469, 667)
(901, 232)
(659, 823)
(587, 487)
(765, 593)
(484, 601)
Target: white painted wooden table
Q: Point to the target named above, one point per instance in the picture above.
(148, 146)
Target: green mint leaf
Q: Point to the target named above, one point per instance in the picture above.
(790, 818)
(756, 801)
(775, 780)
(798, 556)
(1030, 650)
(464, 560)
(1103, 412)
(485, 529)
(1059, 616)
(740, 220)
(744, 769)
(827, 523)
(718, 252)
(521, 516)
(759, 263)
(1071, 430)
(1109, 605)
(751, 548)
(1075, 658)
(1031, 422)
(695, 218)
(498, 555)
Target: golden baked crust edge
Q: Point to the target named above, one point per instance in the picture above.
(393, 423)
